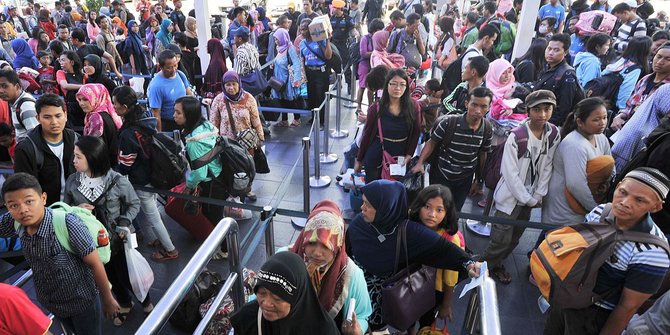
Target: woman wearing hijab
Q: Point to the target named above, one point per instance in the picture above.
(286, 303)
(134, 48)
(101, 119)
(262, 22)
(500, 80)
(217, 67)
(240, 106)
(191, 34)
(631, 138)
(164, 36)
(334, 276)
(380, 56)
(372, 235)
(118, 23)
(24, 55)
(96, 74)
(288, 69)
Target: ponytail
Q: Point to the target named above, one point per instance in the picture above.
(582, 111)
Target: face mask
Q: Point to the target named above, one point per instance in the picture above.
(543, 29)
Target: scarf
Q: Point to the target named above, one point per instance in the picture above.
(285, 275)
(496, 69)
(98, 96)
(120, 24)
(164, 35)
(326, 226)
(229, 76)
(133, 45)
(263, 20)
(189, 21)
(283, 40)
(96, 63)
(217, 66)
(24, 55)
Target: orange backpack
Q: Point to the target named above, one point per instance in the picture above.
(565, 265)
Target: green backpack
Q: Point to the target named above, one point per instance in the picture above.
(59, 210)
(506, 39)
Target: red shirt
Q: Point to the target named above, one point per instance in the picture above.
(18, 315)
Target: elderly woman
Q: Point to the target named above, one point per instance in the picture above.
(286, 302)
(101, 119)
(333, 274)
(287, 68)
(372, 239)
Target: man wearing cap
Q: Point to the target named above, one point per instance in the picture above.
(631, 25)
(525, 173)
(240, 15)
(246, 57)
(635, 270)
(20, 25)
(343, 26)
(293, 16)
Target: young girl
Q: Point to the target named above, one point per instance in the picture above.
(434, 208)
(110, 196)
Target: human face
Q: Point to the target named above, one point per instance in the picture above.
(52, 119)
(79, 160)
(468, 73)
(397, 87)
(286, 24)
(104, 24)
(411, 28)
(26, 206)
(367, 211)
(554, 53)
(9, 91)
(63, 34)
(179, 116)
(66, 63)
(45, 60)
(632, 201)
(539, 115)
(603, 49)
(3, 30)
(190, 25)
(307, 7)
(92, 15)
(170, 67)
(232, 87)
(478, 107)
(272, 306)
(318, 254)
(661, 63)
(622, 16)
(489, 41)
(120, 108)
(44, 37)
(158, 9)
(657, 45)
(84, 104)
(595, 123)
(135, 29)
(506, 76)
(170, 28)
(433, 213)
(88, 68)
(177, 4)
(242, 17)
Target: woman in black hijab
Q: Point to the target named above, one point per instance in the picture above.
(286, 302)
(96, 74)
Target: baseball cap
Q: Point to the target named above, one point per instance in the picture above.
(338, 4)
(291, 4)
(540, 97)
(631, 3)
(10, 7)
(242, 32)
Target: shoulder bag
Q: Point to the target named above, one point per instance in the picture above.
(409, 293)
(247, 138)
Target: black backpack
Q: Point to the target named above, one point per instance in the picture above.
(451, 76)
(238, 169)
(168, 166)
(186, 316)
(607, 86)
(129, 16)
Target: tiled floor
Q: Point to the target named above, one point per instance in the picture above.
(518, 309)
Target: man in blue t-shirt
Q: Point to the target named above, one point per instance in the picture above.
(165, 88)
(315, 55)
(553, 9)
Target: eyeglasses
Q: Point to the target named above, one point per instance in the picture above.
(397, 84)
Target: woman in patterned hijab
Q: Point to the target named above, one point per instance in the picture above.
(101, 119)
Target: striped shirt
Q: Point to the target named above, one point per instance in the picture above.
(246, 60)
(458, 159)
(628, 30)
(63, 283)
(640, 267)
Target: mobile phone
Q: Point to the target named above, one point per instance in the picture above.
(350, 311)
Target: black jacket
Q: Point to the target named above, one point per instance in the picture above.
(562, 80)
(134, 150)
(658, 158)
(49, 173)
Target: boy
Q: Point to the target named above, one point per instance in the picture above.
(524, 180)
(46, 77)
(355, 14)
(429, 99)
(65, 282)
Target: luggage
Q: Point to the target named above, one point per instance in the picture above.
(197, 225)
(595, 21)
(320, 29)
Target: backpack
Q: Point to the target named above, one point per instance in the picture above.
(452, 122)
(8, 244)
(168, 166)
(493, 170)
(186, 316)
(39, 155)
(558, 77)
(25, 98)
(565, 265)
(607, 86)
(237, 166)
(263, 42)
(505, 41)
(59, 210)
(451, 76)
(129, 16)
(595, 21)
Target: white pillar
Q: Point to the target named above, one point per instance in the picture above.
(204, 32)
(525, 29)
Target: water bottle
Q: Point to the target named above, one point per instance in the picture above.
(103, 239)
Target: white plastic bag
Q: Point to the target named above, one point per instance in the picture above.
(140, 273)
(137, 84)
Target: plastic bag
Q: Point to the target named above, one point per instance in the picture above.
(140, 273)
(137, 84)
(413, 184)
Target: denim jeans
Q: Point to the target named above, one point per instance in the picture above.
(153, 227)
(88, 322)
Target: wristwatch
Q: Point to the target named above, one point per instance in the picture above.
(468, 263)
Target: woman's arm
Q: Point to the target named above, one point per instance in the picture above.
(426, 247)
(370, 126)
(64, 85)
(130, 202)
(574, 165)
(413, 138)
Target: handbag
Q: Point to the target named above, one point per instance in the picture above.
(409, 293)
(433, 330)
(387, 159)
(247, 138)
(261, 161)
(276, 84)
(254, 82)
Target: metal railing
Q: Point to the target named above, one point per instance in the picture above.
(227, 227)
(482, 311)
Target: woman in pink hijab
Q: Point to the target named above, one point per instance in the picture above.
(380, 56)
(101, 119)
(500, 80)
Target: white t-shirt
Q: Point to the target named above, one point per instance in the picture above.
(535, 147)
(470, 54)
(57, 149)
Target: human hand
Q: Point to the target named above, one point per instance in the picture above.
(118, 75)
(351, 327)
(362, 116)
(110, 307)
(507, 112)
(358, 166)
(445, 312)
(475, 189)
(86, 206)
(474, 269)
(618, 122)
(418, 168)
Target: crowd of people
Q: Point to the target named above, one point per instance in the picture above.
(576, 122)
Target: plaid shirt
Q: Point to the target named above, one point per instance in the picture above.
(64, 284)
(639, 95)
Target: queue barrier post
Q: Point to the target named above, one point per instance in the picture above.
(337, 132)
(301, 222)
(317, 181)
(325, 157)
(269, 231)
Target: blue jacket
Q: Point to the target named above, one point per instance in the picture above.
(587, 66)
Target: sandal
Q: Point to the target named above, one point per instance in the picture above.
(164, 255)
(147, 308)
(219, 255)
(122, 315)
(155, 243)
(498, 273)
(295, 123)
(251, 197)
(283, 123)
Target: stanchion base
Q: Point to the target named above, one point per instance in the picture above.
(299, 222)
(478, 227)
(327, 159)
(322, 182)
(338, 134)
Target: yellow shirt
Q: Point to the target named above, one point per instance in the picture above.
(443, 276)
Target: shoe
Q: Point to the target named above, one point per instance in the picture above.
(482, 203)
(283, 123)
(148, 308)
(122, 315)
(251, 197)
(295, 123)
(164, 255)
